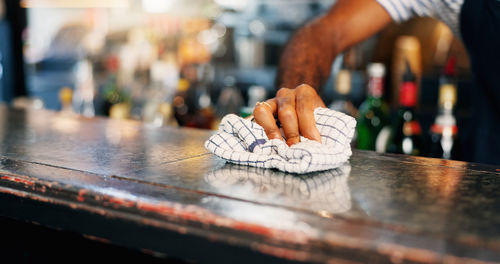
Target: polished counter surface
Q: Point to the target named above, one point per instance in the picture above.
(159, 190)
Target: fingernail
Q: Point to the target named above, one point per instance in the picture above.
(317, 136)
(314, 135)
(275, 136)
(292, 141)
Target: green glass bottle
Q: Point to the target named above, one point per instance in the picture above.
(373, 112)
(406, 131)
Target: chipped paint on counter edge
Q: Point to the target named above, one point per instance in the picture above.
(106, 213)
(98, 239)
(187, 213)
(200, 215)
(16, 178)
(284, 253)
(203, 216)
(81, 194)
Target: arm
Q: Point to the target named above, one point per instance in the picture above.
(308, 56)
(306, 63)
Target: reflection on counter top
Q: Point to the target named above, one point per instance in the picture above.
(324, 192)
(377, 208)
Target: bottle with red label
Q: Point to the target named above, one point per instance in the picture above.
(406, 131)
(444, 131)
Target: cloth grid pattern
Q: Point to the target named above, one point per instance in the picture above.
(447, 11)
(244, 142)
(319, 191)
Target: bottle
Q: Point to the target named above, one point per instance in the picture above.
(112, 92)
(343, 88)
(406, 130)
(83, 98)
(180, 103)
(373, 112)
(230, 99)
(205, 112)
(256, 94)
(164, 115)
(66, 98)
(444, 131)
(192, 103)
(158, 109)
(112, 96)
(407, 50)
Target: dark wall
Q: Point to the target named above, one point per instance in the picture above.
(12, 26)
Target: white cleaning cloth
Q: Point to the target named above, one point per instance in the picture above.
(242, 141)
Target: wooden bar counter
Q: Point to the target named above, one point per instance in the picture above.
(158, 190)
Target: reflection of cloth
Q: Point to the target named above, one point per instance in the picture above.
(244, 142)
(320, 191)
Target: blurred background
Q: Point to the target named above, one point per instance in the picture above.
(190, 62)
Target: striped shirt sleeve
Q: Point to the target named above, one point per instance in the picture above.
(445, 10)
(402, 10)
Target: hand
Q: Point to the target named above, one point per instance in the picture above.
(295, 111)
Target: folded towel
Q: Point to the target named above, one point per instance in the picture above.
(244, 142)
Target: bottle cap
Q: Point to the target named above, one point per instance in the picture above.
(376, 73)
(408, 76)
(183, 85)
(343, 83)
(408, 43)
(447, 93)
(376, 70)
(66, 95)
(256, 93)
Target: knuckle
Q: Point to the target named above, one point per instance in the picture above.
(260, 110)
(287, 113)
(304, 88)
(302, 107)
(303, 103)
(283, 92)
(285, 102)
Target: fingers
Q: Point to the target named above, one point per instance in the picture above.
(264, 116)
(318, 102)
(287, 115)
(295, 111)
(306, 100)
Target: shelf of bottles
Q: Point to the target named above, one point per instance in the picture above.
(398, 129)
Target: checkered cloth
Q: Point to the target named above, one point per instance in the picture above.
(242, 141)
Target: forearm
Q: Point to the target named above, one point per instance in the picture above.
(308, 56)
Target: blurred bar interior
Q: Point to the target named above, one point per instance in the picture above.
(190, 62)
